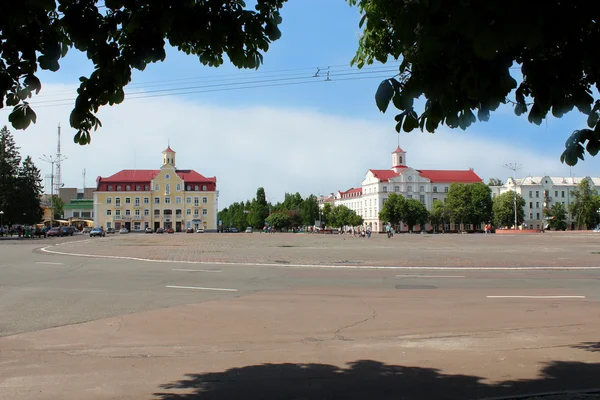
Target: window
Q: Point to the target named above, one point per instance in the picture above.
(196, 212)
(156, 187)
(409, 196)
(204, 188)
(108, 200)
(556, 193)
(138, 188)
(205, 199)
(75, 214)
(167, 176)
(179, 187)
(146, 212)
(409, 188)
(109, 188)
(188, 212)
(530, 215)
(446, 190)
(421, 188)
(137, 213)
(118, 188)
(204, 211)
(422, 198)
(435, 189)
(118, 201)
(546, 193)
(384, 190)
(127, 212)
(537, 204)
(188, 200)
(537, 216)
(128, 188)
(562, 194)
(146, 187)
(537, 193)
(189, 187)
(156, 213)
(196, 188)
(178, 213)
(530, 203)
(196, 200)
(136, 226)
(167, 189)
(178, 200)
(167, 200)
(146, 200)
(85, 214)
(108, 225)
(118, 213)
(157, 200)
(127, 200)
(108, 213)
(396, 188)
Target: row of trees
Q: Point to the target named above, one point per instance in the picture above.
(20, 184)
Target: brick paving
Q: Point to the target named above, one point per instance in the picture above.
(551, 249)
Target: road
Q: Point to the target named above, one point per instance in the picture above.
(209, 319)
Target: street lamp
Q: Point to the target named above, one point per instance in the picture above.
(514, 167)
(2, 221)
(52, 160)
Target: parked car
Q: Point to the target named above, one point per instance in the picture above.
(170, 230)
(110, 230)
(249, 229)
(200, 230)
(87, 230)
(160, 230)
(123, 230)
(56, 231)
(97, 232)
(148, 230)
(67, 230)
(234, 230)
(189, 230)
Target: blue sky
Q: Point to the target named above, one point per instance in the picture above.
(237, 146)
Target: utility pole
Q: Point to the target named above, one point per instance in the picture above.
(514, 167)
(52, 160)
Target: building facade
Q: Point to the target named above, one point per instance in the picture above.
(164, 198)
(542, 192)
(427, 186)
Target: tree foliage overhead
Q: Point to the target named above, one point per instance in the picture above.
(119, 36)
(458, 56)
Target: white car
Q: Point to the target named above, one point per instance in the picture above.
(200, 230)
(249, 229)
(123, 230)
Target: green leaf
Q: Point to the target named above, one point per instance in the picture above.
(592, 119)
(33, 83)
(384, 94)
(400, 118)
(593, 146)
(22, 116)
(410, 122)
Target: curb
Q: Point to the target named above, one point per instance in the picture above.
(543, 394)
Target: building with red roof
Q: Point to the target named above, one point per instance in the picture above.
(167, 198)
(425, 185)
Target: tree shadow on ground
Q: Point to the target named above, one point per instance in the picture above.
(367, 379)
(589, 346)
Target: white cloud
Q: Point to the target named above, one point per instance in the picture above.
(282, 149)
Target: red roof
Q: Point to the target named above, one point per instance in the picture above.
(146, 175)
(353, 192)
(168, 150)
(448, 176)
(384, 174)
(398, 150)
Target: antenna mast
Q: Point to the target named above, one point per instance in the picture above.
(84, 181)
(58, 179)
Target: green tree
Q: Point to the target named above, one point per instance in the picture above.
(326, 212)
(309, 210)
(356, 220)
(439, 215)
(393, 209)
(585, 205)
(481, 201)
(557, 217)
(9, 170)
(341, 216)
(279, 220)
(458, 55)
(494, 182)
(259, 209)
(458, 203)
(119, 36)
(29, 192)
(504, 209)
(414, 213)
(59, 207)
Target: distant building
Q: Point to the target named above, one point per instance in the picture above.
(542, 192)
(164, 198)
(68, 194)
(427, 186)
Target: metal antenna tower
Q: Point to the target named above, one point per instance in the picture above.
(58, 180)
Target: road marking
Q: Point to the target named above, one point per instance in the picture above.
(48, 263)
(535, 297)
(325, 266)
(202, 288)
(430, 276)
(196, 270)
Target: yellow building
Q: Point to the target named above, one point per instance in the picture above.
(165, 198)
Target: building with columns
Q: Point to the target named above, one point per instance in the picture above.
(164, 198)
(427, 186)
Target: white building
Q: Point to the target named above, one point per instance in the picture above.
(541, 192)
(427, 186)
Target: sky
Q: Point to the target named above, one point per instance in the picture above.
(279, 127)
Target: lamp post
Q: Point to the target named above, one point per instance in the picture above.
(52, 160)
(514, 167)
(2, 222)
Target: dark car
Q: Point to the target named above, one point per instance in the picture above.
(97, 232)
(160, 230)
(67, 230)
(234, 230)
(56, 231)
(110, 230)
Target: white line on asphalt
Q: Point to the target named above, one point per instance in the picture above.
(202, 288)
(196, 270)
(48, 263)
(62, 253)
(535, 297)
(430, 276)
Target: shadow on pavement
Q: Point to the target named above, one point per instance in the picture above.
(366, 379)
(589, 346)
